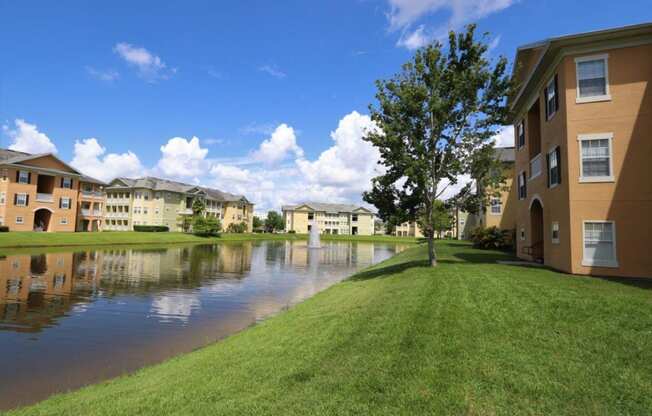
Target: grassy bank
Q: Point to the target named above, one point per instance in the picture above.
(30, 239)
(469, 337)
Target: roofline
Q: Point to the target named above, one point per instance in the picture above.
(38, 156)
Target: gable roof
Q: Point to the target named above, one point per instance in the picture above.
(15, 158)
(327, 207)
(166, 185)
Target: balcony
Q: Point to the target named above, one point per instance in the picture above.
(86, 212)
(92, 194)
(185, 211)
(536, 166)
(43, 197)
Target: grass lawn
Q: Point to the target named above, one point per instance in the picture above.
(470, 337)
(31, 239)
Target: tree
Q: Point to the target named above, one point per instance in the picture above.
(257, 223)
(274, 222)
(198, 207)
(206, 226)
(237, 227)
(435, 121)
(442, 219)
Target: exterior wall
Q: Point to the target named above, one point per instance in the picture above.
(628, 199)
(329, 223)
(237, 212)
(9, 211)
(506, 220)
(119, 208)
(408, 229)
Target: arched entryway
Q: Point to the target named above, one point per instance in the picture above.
(536, 233)
(42, 219)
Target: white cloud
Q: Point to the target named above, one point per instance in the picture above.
(405, 13)
(150, 67)
(350, 162)
(228, 173)
(183, 158)
(27, 138)
(282, 142)
(87, 158)
(272, 70)
(504, 137)
(107, 75)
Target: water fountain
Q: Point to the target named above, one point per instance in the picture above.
(313, 241)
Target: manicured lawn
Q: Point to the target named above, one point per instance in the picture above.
(470, 337)
(30, 239)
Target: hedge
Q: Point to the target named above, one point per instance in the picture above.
(152, 228)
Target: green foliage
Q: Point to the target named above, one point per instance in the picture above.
(441, 218)
(198, 207)
(184, 222)
(274, 222)
(151, 228)
(258, 223)
(292, 232)
(491, 238)
(237, 228)
(206, 226)
(435, 122)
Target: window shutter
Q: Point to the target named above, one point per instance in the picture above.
(556, 94)
(545, 101)
(27, 200)
(15, 199)
(558, 152)
(60, 200)
(525, 185)
(17, 176)
(548, 167)
(29, 177)
(69, 203)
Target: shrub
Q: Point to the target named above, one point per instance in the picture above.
(491, 238)
(151, 228)
(237, 227)
(292, 232)
(4, 229)
(206, 227)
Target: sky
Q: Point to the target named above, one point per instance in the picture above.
(263, 98)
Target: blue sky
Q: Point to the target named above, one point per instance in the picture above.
(266, 98)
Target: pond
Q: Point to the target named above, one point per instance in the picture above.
(71, 318)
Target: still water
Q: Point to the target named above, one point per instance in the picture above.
(68, 319)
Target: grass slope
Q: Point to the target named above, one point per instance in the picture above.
(470, 337)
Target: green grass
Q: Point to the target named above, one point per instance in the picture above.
(469, 337)
(31, 239)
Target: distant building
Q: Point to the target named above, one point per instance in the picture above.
(330, 218)
(92, 200)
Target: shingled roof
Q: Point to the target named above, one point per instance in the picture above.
(326, 207)
(166, 185)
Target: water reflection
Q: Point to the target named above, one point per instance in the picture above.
(104, 312)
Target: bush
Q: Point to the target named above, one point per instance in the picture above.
(292, 232)
(4, 229)
(237, 227)
(151, 228)
(491, 238)
(206, 227)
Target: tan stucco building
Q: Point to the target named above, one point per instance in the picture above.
(155, 201)
(330, 218)
(37, 192)
(583, 123)
(92, 200)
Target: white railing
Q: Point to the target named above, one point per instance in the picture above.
(186, 211)
(535, 166)
(86, 212)
(44, 197)
(92, 194)
(97, 212)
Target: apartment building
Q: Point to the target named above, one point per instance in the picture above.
(91, 203)
(330, 218)
(582, 118)
(37, 192)
(155, 201)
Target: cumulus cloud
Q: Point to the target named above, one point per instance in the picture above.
(182, 158)
(404, 14)
(504, 137)
(150, 67)
(106, 75)
(89, 157)
(351, 162)
(282, 142)
(26, 137)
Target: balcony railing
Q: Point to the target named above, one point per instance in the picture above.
(40, 197)
(86, 212)
(92, 194)
(535, 166)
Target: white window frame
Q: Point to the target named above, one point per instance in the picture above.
(491, 205)
(20, 175)
(593, 263)
(66, 203)
(597, 136)
(3, 198)
(520, 126)
(596, 98)
(548, 84)
(554, 227)
(24, 204)
(20, 220)
(63, 221)
(551, 152)
(538, 157)
(64, 179)
(522, 175)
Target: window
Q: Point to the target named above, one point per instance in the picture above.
(23, 176)
(522, 186)
(3, 198)
(592, 78)
(137, 195)
(146, 195)
(522, 234)
(311, 216)
(555, 233)
(21, 200)
(156, 210)
(551, 97)
(66, 183)
(535, 166)
(19, 220)
(596, 158)
(64, 203)
(520, 129)
(157, 195)
(63, 221)
(554, 167)
(145, 210)
(354, 217)
(496, 206)
(599, 244)
(2, 220)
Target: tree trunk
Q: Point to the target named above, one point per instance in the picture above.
(432, 255)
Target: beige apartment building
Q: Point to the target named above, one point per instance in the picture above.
(37, 192)
(583, 123)
(154, 201)
(330, 218)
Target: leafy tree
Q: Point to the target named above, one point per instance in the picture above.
(184, 222)
(442, 219)
(257, 223)
(274, 222)
(435, 122)
(198, 207)
(237, 227)
(206, 226)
